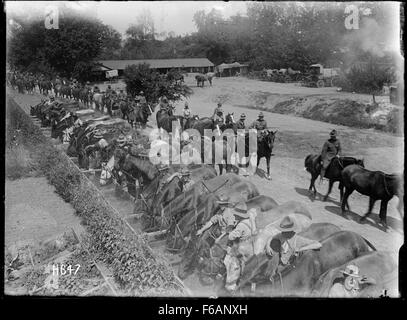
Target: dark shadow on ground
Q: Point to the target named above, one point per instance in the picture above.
(310, 195)
(372, 220)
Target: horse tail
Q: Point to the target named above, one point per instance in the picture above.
(308, 163)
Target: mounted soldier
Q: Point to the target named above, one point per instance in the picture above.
(240, 124)
(142, 98)
(260, 124)
(108, 90)
(187, 112)
(165, 105)
(218, 117)
(121, 95)
(331, 149)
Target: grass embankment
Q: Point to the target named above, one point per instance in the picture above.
(345, 112)
(135, 268)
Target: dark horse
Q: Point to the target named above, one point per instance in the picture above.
(264, 148)
(376, 185)
(133, 168)
(139, 114)
(165, 119)
(65, 122)
(313, 165)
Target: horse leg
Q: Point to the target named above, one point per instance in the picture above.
(312, 185)
(258, 161)
(348, 192)
(383, 213)
(268, 168)
(369, 211)
(331, 183)
(220, 168)
(340, 187)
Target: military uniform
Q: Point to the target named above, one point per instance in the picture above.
(330, 150)
(240, 124)
(142, 98)
(259, 124)
(187, 113)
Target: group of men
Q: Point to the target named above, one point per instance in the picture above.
(218, 116)
(239, 224)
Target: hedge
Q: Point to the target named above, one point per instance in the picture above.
(136, 269)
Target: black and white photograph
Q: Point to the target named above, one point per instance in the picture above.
(203, 149)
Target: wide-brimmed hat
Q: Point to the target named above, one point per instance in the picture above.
(223, 201)
(287, 224)
(141, 92)
(261, 115)
(351, 270)
(333, 133)
(240, 210)
(219, 104)
(242, 116)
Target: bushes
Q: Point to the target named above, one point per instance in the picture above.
(154, 85)
(135, 268)
(18, 162)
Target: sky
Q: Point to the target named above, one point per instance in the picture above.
(176, 16)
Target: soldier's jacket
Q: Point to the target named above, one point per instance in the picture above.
(330, 149)
(217, 109)
(218, 119)
(259, 125)
(240, 124)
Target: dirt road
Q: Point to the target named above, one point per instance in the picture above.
(34, 212)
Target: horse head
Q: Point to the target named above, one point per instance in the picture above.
(360, 162)
(269, 137)
(229, 118)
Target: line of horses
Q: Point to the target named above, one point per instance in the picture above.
(167, 202)
(352, 175)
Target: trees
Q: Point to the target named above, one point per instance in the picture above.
(154, 85)
(369, 77)
(78, 39)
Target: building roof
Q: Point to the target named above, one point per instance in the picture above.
(158, 63)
